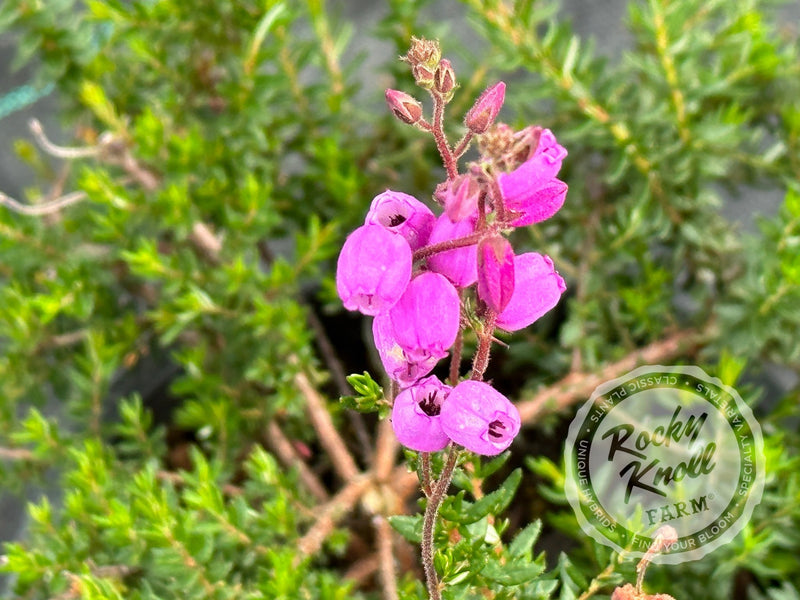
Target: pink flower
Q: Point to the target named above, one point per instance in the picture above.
(397, 364)
(426, 319)
(486, 107)
(460, 265)
(415, 416)
(459, 197)
(480, 418)
(495, 272)
(537, 289)
(532, 189)
(373, 270)
(539, 204)
(404, 215)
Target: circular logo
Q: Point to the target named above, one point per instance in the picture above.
(664, 446)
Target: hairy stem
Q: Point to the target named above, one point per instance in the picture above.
(429, 522)
(484, 344)
(432, 249)
(437, 129)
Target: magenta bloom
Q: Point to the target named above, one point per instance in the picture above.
(426, 319)
(484, 111)
(495, 272)
(403, 214)
(538, 204)
(373, 270)
(460, 265)
(537, 289)
(415, 416)
(480, 418)
(459, 197)
(532, 189)
(397, 364)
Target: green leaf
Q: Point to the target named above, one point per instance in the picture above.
(523, 542)
(410, 527)
(512, 574)
(493, 503)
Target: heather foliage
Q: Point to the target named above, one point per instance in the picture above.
(173, 341)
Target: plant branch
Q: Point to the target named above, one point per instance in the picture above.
(329, 437)
(579, 386)
(386, 570)
(329, 514)
(287, 454)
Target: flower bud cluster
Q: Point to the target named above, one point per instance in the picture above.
(413, 270)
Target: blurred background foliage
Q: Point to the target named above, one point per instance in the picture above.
(161, 339)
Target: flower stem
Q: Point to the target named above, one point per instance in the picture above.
(484, 344)
(463, 144)
(437, 129)
(429, 522)
(425, 473)
(455, 359)
(432, 249)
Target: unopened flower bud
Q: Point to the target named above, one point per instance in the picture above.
(459, 197)
(444, 79)
(404, 107)
(423, 75)
(495, 272)
(483, 113)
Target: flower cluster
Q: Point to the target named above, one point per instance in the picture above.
(413, 271)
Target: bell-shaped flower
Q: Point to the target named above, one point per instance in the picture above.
(459, 265)
(415, 416)
(480, 418)
(426, 319)
(395, 361)
(532, 189)
(537, 289)
(495, 272)
(373, 269)
(403, 214)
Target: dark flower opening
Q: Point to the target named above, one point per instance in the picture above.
(395, 220)
(430, 405)
(497, 430)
